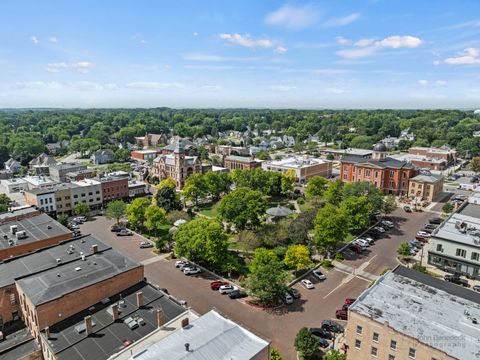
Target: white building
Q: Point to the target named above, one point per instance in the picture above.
(11, 186)
(137, 188)
(88, 191)
(42, 198)
(39, 182)
(303, 167)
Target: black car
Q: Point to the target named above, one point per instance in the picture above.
(456, 280)
(332, 326)
(294, 292)
(322, 333)
(430, 226)
(436, 221)
(237, 294)
(374, 234)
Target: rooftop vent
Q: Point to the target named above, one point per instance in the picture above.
(78, 268)
(58, 260)
(187, 347)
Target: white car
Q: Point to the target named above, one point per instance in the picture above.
(180, 263)
(319, 275)
(307, 283)
(80, 219)
(362, 243)
(227, 289)
(387, 223)
(370, 240)
(423, 234)
(379, 229)
(192, 271)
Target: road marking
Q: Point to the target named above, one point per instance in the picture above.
(151, 260)
(344, 281)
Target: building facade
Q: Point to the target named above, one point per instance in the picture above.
(151, 140)
(58, 172)
(88, 191)
(389, 175)
(233, 162)
(304, 168)
(144, 155)
(114, 188)
(425, 187)
(444, 153)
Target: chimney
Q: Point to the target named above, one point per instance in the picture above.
(187, 347)
(160, 318)
(94, 248)
(185, 322)
(139, 299)
(115, 312)
(47, 332)
(88, 325)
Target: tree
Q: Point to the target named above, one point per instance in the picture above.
(447, 208)
(63, 219)
(202, 240)
(249, 239)
(155, 218)
(217, 182)
(475, 164)
(334, 193)
(306, 343)
(335, 355)
(275, 354)
(389, 204)
(403, 249)
(116, 210)
(316, 186)
(298, 257)
(287, 181)
(175, 215)
(331, 226)
(362, 142)
(122, 155)
(243, 207)
(167, 198)
(168, 182)
(358, 210)
(136, 212)
(267, 277)
(81, 209)
(4, 202)
(195, 188)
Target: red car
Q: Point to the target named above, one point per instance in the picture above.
(349, 301)
(356, 249)
(341, 314)
(215, 285)
(421, 238)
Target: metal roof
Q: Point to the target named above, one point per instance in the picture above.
(211, 337)
(436, 313)
(462, 227)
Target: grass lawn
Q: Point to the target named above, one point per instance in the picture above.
(210, 210)
(235, 245)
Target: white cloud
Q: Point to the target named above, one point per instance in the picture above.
(283, 88)
(83, 67)
(470, 56)
(293, 17)
(195, 33)
(356, 53)
(202, 57)
(212, 87)
(87, 86)
(335, 90)
(34, 40)
(423, 82)
(281, 50)
(139, 38)
(53, 40)
(396, 42)
(153, 85)
(436, 62)
(344, 20)
(365, 42)
(340, 40)
(37, 85)
(247, 41)
(441, 82)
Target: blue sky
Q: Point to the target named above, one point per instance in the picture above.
(315, 54)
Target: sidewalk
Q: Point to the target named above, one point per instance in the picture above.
(356, 271)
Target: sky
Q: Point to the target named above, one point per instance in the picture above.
(253, 54)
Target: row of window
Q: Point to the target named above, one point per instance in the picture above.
(463, 253)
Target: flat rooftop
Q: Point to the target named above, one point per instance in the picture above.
(39, 227)
(433, 150)
(21, 211)
(108, 337)
(211, 337)
(295, 162)
(13, 181)
(18, 344)
(146, 151)
(462, 226)
(54, 283)
(86, 182)
(67, 166)
(433, 311)
(239, 158)
(39, 180)
(413, 157)
(350, 151)
(44, 259)
(51, 189)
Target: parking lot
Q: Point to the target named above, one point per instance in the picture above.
(279, 325)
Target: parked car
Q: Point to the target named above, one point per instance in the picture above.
(184, 266)
(215, 285)
(341, 314)
(456, 280)
(307, 283)
(287, 298)
(322, 333)
(476, 288)
(349, 301)
(356, 249)
(73, 226)
(422, 239)
(387, 223)
(323, 342)
(237, 294)
(416, 243)
(369, 239)
(436, 221)
(116, 228)
(372, 234)
(124, 232)
(407, 209)
(80, 219)
(179, 263)
(332, 326)
(379, 229)
(319, 275)
(192, 271)
(430, 226)
(227, 289)
(145, 244)
(361, 242)
(423, 234)
(295, 293)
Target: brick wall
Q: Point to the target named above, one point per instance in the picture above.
(32, 246)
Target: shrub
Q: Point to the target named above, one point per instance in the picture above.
(306, 343)
(275, 355)
(300, 201)
(196, 209)
(339, 257)
(280, 252)
(327, 264)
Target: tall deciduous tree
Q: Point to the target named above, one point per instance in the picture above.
(389, 204)
(306, 343)
(475, 164)
(136, 212)
(167, 198)
(202, 240)
(217, 183)
(335, 355)
(195, 188)
(155, 218)
(267, 277)
(298, 257)
(81, 209)
(331, 226)
(116, 210)
(334, 193)
(358, 210)
(242, 207)
(316, 186)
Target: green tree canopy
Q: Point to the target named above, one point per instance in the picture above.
(136, 212)
(334, 193)
(404, 249)
(316, 186)
(358, 210)
(116, 210)
(195, 188)
(331, 226)
(335, 355)
(217, 183)
(81, 209)
(155, 218)
(306, 343)
(4, 202)
(167, 198)
(298, 257)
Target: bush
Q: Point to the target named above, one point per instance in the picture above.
(196, 209)
(447, 208)
(275, 354)
(419, 267)
(339, 257)
(404, 249)
(280, 252)
(306, 343)
(300, 201)
(327, 264)
(291, 206)
(175, 215)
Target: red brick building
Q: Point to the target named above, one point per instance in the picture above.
(389, 175)
(114, 188)
(233, 162)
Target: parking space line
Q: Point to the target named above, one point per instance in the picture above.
(344, 281)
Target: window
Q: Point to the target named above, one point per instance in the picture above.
(367, 172)
(392, 173)
(391, 357)
(345, 177)
(393, 345)
(412, 353)
(375, 337)
(475, 256)
(75, 196)
(358, 344)
(13, 300)
(41, 201)
(359, 171)
(439, 248)
(359, 330)
(374, 351)
(461, 253)
(376, 173)
(90, 193)
(83, 194)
